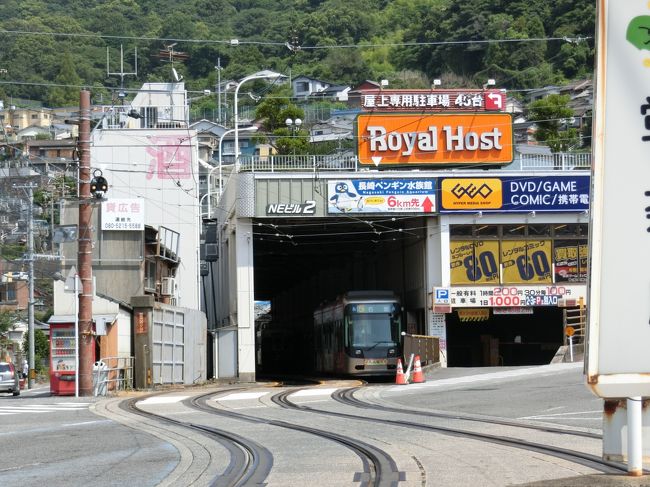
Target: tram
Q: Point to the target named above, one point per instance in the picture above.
(359, 334)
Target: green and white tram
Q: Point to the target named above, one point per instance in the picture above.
(359, 334)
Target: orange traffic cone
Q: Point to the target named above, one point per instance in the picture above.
(418, 375)
(400, 378)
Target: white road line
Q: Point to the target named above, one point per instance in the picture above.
(242, 396)
(162, 400)
(570, 413)
(314, 392)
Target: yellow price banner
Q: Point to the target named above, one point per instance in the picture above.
(526, 261)
(474, 262)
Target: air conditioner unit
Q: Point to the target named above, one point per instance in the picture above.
(168, 286)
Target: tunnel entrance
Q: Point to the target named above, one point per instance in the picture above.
(301, 262)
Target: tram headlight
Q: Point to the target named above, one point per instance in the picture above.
(391, 352)
(358, 352)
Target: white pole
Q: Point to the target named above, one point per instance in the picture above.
(76, 336)
(571, 348)
(634, 437)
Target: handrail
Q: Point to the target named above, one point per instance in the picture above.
(563, 161)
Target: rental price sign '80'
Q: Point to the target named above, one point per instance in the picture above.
(480, 262)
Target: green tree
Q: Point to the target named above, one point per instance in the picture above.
(7, 320)
(41, 349)
(551, 115)
(67, 93)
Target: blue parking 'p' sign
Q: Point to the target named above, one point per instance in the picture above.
(442, 295)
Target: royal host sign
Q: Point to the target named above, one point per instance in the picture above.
(418, 139)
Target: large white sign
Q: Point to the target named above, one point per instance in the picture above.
(123, 214)
(618, 360)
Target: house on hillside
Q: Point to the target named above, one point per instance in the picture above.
(333, 93)
(304, 86)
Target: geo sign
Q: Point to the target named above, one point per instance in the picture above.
(477, 138)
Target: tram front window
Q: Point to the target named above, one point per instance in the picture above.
(372, 330)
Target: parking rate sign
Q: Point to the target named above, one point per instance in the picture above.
(618, 355)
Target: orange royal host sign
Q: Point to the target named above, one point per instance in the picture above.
(477, 138)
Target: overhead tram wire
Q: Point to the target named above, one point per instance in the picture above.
(282, 43)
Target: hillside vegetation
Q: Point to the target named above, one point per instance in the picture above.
(408, 42)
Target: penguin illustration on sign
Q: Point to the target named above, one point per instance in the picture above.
(344, 199)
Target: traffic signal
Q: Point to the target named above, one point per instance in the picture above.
(98, 184)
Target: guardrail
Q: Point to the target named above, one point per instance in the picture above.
(563, 161)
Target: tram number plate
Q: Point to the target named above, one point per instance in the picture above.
(375, 361)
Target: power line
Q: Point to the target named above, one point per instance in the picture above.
(236, 42)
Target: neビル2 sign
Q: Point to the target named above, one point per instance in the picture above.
(397, 139)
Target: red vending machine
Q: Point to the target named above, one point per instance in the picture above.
(62, 359)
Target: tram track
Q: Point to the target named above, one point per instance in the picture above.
(585, 459)
(250, 462)
(379, 468)
(346, 396)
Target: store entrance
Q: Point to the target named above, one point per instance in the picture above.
(504, 340)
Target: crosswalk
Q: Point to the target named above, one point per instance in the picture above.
(42, 408)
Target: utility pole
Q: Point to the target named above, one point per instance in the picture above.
(218, 68)
(84, 252)
(30, 274)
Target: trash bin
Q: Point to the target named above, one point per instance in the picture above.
(100, 377)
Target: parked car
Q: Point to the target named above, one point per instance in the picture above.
(9, 380)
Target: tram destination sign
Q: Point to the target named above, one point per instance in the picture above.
(403, 195)
(515, 194)
(386, 139)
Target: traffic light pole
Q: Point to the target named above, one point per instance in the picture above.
(84, 253)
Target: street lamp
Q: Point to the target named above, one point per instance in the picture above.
(247, 78)
(252, 128)
(294, 126)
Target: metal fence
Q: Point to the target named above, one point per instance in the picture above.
(317, 163)
(112, 374)
(427, 347)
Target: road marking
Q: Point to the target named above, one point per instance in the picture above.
(314, 392)
(39, 408)
(505, 374)
(564, 415)
(162, 400)
(242, 396)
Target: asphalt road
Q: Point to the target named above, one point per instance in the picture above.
(63, 441)
(58, 441)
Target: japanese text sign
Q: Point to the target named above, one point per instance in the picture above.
(617, 361)
(381, 195)
(434, 100)
(123, 214)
